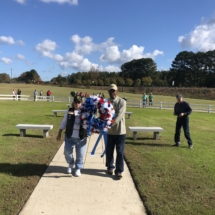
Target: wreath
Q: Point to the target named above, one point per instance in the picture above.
(88, 113)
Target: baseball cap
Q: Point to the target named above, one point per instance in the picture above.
(179, 96)
(113, 87)
(77, 99)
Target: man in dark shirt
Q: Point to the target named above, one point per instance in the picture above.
(182, 110)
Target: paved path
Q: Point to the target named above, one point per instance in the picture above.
(94, 193)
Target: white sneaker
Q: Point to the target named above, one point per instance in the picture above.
(69, 170)
(77, 172)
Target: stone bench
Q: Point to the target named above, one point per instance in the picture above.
(129, 114)
(58, 111)
(156, 131)
(23, 128)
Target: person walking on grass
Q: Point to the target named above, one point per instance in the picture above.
(116, 135)
(182, 110)
(75, 137)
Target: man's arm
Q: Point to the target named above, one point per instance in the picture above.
(121, 111)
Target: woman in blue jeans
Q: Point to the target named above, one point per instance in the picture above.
(75, 137)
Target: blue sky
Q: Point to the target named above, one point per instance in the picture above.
(65, 36)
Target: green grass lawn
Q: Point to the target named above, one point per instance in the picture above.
(170, 180)
(173, 180)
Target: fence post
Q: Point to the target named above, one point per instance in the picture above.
(69, 99)
(208, 108)
(53, 98)
(140, 105)
(161, 105)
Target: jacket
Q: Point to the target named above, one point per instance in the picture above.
(118, 127)
(70, 125)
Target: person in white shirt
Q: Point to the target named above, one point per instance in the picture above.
(75, 136)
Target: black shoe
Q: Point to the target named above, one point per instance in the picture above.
(177, 144)
(110, 171)
(119, 176)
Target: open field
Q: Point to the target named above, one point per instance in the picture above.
(169, 180)
(28, 89)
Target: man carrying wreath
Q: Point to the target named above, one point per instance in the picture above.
(116, 135)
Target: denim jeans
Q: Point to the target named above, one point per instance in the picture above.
(119, 142)
(80, 147)
(182, 122)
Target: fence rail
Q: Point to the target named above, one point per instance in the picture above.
(130, 103)
(170, 105)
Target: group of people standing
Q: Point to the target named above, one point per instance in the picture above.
(48, 94)
(145, 98)
(18, 93)
(76, 136)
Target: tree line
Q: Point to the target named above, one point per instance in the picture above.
(188, 69)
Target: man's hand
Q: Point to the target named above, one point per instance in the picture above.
(182, 114)
(58, 138)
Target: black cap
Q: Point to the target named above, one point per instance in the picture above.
(179, 96)
(77, 99)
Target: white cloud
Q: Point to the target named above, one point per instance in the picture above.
(110, 54)
(10, 41)
(20, 42)
(6, 40)
(71, 2)
(21, 1)
(20, 57)
(134, 52)
(58, 57)
(202, 38)
(111, 68)
(113, 55)
(85, 45)
(6, 60)
(46, 48)
(154, 54)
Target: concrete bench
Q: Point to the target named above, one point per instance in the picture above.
(23, 128)
(58, 111)
(156, 131)
(129, 114)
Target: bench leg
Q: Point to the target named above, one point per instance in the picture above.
(22, 132)
(156, 135)
(129, 116)
(134, 135)
(45, 133)
(55, 113)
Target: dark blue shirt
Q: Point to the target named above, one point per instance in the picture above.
(182, 107)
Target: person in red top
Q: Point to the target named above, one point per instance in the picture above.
(48, 95)
(87, 95)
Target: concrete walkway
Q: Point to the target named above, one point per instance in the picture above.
(94, 193)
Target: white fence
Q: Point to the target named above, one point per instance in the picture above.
(37, 98)
(170, 105)
(130, 103)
